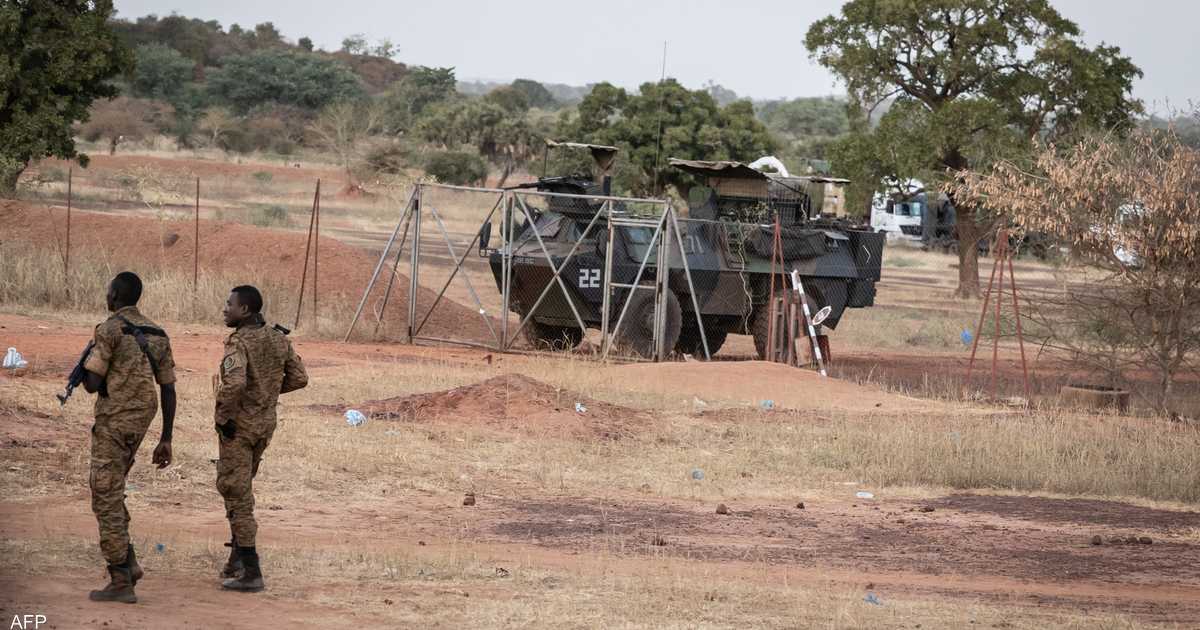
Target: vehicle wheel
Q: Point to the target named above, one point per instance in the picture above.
(762, 319)
(637, 330)
(759, 330)
(690, 342)
(549, 337)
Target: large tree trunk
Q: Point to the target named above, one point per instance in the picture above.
(969, 234)
(10, 172)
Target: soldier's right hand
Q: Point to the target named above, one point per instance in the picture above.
(162, 455)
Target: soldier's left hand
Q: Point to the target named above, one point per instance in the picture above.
(162, 455)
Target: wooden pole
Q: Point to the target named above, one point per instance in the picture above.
(67, 255)
(196, 246)
(979, 329)
(316, 249)
(307, 246)
(1000, 253)
(1012, 279)
(772, 328)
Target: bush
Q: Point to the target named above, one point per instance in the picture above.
(456, 167)
(282, 77)
(53, 174)
(269, 216)
(392, 159)
(284, 146)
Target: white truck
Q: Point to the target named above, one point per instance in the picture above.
(899, 212)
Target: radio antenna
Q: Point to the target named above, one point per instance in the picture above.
(662, 101)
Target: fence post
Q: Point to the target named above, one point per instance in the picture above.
(316, 251)
(307, 246)
(67, 255)
(196, 248)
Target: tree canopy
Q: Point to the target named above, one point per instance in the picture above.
(982, 75)
(419, 89)
(1129, 208)
(692, 126)
(283, 77)
(160, 72)
(56, 58)
(536, 94)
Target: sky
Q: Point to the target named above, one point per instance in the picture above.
(753, 47)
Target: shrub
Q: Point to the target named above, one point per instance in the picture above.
(392, 159)
(269, 216)
(456, 167)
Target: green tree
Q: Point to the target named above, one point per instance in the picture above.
(692, 126)
(56, 58)
(161, 72)
(981, 70)
(456, 167)
(283, 77)
(802, 118)
(536, 94)
(419, 89)
(305, 44)
(506, 138)
(508, 98)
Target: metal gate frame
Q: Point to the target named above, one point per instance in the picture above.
(667, 233)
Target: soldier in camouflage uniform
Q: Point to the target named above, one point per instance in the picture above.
(259, 365)
(130, 355)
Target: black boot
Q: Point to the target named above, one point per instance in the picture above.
(119, 588)
(233, 566)
(135, 569)
(251, 579)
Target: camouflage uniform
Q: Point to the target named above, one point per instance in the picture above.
(259, 365)
(122, 418)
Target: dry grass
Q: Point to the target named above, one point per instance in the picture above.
(746, 454)
(32, 282)
(316, 459)
(462, 586)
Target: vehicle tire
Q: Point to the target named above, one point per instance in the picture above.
(691, 343)
(550, 337)
(762, 319)
(637, 330)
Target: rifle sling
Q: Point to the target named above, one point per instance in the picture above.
(139, 335)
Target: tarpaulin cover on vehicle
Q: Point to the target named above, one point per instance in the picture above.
(797, 242)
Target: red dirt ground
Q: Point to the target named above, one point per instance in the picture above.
(136, 243)
(758, 381)
(1029, 551)
(512, 402)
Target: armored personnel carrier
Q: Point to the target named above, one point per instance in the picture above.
(728, 236)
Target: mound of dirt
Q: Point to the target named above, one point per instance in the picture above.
(137, 243)
(514, 402)
(752, 382)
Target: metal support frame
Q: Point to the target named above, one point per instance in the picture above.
(687, 273)
(405, 218)
(1001, 256)
(458, 263)
(605, 208)
(636, 285)
(379, 265)
(667, 235)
